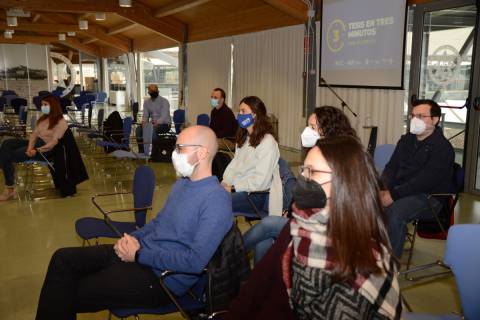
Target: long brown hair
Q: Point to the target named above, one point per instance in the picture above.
(55, 112)
(261, 125)
(357, 222)
(333, 122)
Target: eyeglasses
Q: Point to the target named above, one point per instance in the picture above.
(180, 146)
(307, 172)
(418, 116)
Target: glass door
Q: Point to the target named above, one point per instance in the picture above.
(442, 64)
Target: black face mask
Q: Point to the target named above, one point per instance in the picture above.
(308, 194)
(153, 94)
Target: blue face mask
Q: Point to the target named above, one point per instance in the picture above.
(214, 102)
(245, 120)
(45, 109)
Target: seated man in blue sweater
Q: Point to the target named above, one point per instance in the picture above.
(421, 164)
(183, 237)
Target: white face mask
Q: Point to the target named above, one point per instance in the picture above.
(417, 126)
(309, 137)
(181, 164)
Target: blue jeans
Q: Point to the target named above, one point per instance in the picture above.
(404, 211)
(157, 129)
(13, 151)
(260, 237)
(240, 203)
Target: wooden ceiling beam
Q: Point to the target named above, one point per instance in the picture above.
(93, 31)
(294, 8)
(124, 26)
(138, 13)
(178, 6)
(29, 39)
(75, 44)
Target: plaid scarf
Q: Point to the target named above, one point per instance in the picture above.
(311, 247)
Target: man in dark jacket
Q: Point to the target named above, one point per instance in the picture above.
(222, 120)
(421, 164)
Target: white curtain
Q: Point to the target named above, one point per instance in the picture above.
(269, 64)
(382, 108)
(208, 65)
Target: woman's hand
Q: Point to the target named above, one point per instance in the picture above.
(227, 187)
(31, 152)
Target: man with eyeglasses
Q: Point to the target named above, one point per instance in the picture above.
(421, 164)
(183, 237)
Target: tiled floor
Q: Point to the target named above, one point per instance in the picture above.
(30, 231)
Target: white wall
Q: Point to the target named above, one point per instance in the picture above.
(208, 65)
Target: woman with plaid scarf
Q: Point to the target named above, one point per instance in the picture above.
(333, 259)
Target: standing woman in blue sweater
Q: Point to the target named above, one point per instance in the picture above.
(255, 164)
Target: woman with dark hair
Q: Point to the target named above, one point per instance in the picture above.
(324, 122)
(333, 258)
(49, 129)
(255, 164)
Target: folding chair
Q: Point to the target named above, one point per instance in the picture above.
(147, 144)
(178, 120)
(382, 155)
(438, 228)
(94, 228)
(202, 298)
(463, 260)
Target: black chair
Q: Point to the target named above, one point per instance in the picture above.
(207, 296)
(8, 92)
(437, 228)
(17, 103)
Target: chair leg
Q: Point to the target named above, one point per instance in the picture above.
(412, 244)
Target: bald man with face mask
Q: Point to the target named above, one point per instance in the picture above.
(183, 236)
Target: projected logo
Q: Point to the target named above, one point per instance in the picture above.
(444, 65)
(336, 35)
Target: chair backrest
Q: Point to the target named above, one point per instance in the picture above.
(90, 97)
(9, 98)
(17, 103)
(178, 119)
(37, 102)
(8, 92)
(127, 130)
(463, 257)
(288, 182)
(143, 186)
(203, 119)
(43, 93)
(79, 102)
(382, 155)
(147, 137)
(101, 97)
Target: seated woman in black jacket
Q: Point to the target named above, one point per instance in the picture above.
(49, 129)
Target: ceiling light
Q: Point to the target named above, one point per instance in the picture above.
(7, 35)
(125, 3)
(100, 16)
(61, 36)
(71, 33)
(18, 12)
(12, 21)
(83, 24)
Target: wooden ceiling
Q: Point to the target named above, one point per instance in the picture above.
(147, 25)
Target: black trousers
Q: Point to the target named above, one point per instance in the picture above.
(90, 279)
